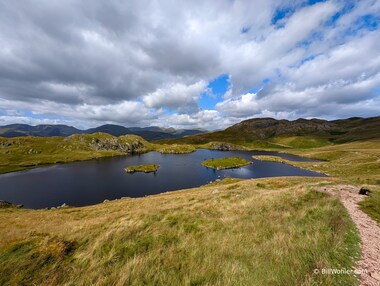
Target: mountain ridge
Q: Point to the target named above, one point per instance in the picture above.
(48, 130)
(313, 132)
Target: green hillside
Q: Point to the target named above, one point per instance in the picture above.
(28, 152)
(300, 133)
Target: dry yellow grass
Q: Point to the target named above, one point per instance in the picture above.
(253, 232)
(354, 163)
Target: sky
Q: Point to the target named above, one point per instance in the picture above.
(187, 64)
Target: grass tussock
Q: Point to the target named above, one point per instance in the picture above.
(355, 163)
(371, 204)
(252, 232)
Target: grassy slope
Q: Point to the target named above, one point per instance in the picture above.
(253, 232)
(276, 143)
(356, 163)
(28, 152)
(282, 134)
(226, 163)
(371, 205)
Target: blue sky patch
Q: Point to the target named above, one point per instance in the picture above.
(312, 2)
(218, 87)
(369, 22)
(376, 90)
(280, 14)
(286, 12)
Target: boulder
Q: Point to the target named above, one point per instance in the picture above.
(221, 146)
(364, 191)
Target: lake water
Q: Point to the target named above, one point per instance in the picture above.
(91, 182)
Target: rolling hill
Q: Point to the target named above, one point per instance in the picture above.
(17, 130)
(300, 133)
(148, 133)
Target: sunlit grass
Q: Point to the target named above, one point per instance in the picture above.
(275, 233)
(173, 148)
(371, 205)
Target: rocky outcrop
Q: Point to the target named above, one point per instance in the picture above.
(5, 204)
(222, 146)
(102, 141)
(115, 144)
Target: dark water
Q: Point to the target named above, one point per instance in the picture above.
(91, 182)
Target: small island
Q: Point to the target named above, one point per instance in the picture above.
(146, 168)
(226, 163)
(174, 148)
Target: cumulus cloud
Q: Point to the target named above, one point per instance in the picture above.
(176, 96)
(205, 119)
(148, 63)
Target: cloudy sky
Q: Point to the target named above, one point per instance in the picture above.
(187, 64)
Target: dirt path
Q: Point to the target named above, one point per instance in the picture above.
(369, 232)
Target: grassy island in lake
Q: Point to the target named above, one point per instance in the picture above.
(146, 168)
(226, 163)
(174, 148)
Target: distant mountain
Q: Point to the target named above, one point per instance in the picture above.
(342, 130)
(153, 135)
(302, 133)
(115, 130)
(148, 133)
(16, 130)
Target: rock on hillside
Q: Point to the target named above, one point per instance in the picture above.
(223, 146)
(103, 141)
(5, 204)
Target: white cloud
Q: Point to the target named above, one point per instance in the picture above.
(177, 96)
(253, 61)
(5, 120)
(205, 119)
(241, 106)
(130, 62)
